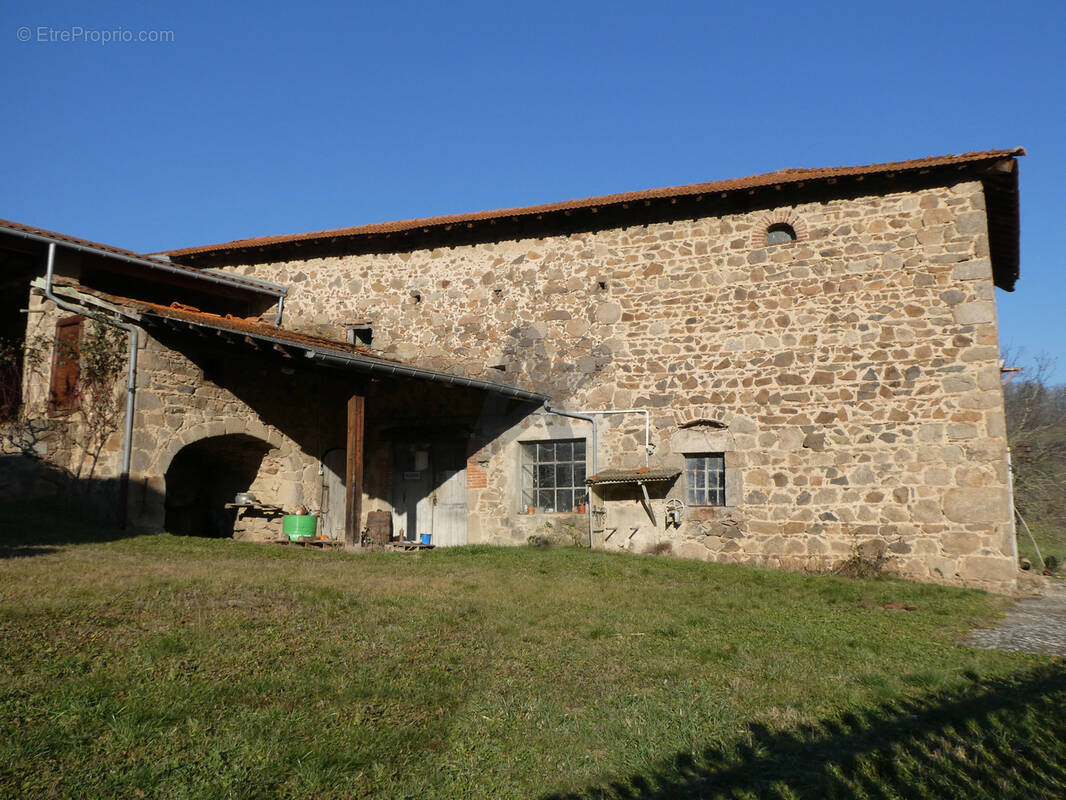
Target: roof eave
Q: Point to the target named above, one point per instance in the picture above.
(321, 353)
(738, 186)
(1003, 215)
(210, 276)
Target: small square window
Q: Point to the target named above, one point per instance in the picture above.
(359, 333)
(553, 475)
(705, 479)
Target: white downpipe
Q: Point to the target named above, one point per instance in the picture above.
(1013, 509)
(582, 415)
(595, 446)
(589, 416)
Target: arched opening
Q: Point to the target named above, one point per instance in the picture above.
(204, 476)
(779, 233)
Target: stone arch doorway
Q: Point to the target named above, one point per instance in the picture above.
(205, 475)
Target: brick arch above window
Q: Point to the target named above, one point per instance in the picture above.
(782, 216)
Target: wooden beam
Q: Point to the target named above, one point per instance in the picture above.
(353, 481)
(646, 501)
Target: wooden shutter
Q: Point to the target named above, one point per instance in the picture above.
(63, 395)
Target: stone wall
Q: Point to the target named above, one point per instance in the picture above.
(187, 395)
(856, 369)
(46, 454)
(851, 377)
(177, 405)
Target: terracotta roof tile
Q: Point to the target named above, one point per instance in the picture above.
(253, 327)
(781, 177)
(250, 325)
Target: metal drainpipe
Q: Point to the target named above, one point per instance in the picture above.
(647, 426)
(1013, 510)
(595, 446)
(281, 310)
(131, 379)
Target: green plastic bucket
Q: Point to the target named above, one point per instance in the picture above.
(299, 526)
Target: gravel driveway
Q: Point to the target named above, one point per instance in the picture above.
(1035, 624)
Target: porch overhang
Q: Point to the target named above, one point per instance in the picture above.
(288, 349)
(632, 476)
(289, 344)
(635, 477)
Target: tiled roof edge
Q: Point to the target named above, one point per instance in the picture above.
(780, 177)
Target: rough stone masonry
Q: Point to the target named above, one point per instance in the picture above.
(850, 375)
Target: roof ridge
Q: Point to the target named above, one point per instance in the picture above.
(791, 174)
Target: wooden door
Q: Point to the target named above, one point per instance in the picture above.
(333, 468)
(64, 396)
(449, 495)
(429, 492)
(412, 510)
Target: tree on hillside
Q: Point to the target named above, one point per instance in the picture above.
(1036, 431)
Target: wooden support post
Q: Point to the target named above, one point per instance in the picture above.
(353, 482)
(647, 502)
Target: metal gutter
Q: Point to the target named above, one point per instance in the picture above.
(131, 377)
(216, 277)
(272, 287)
(281, 311)
(402, 370)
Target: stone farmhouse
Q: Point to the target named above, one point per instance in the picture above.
(790, 369)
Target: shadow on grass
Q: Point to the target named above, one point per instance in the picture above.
(1004, 739)
(17, 551)
(42, 527)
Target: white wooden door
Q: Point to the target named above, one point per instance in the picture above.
(429, 492)
(449, 508)
(334, 465)
(412, 513)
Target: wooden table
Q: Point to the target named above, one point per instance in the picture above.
(409, 546)
(304, 541)
(265, 508)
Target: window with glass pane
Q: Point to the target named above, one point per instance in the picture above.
(705, 479)
(553, 475)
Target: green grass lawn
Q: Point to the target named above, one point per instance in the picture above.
(159, 666)
(1050, 538)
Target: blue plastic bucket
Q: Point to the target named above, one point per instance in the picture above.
(426, 537)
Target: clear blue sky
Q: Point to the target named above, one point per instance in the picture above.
(261, 120)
